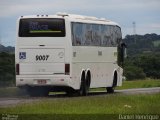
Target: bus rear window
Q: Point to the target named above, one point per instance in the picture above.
(42, 27)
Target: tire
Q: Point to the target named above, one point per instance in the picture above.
(81, 90)
(84, 88)
(87, 85)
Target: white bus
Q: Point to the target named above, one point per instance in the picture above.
(67, 52)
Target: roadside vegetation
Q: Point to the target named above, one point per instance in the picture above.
(143, 59)
(146, 83)
(139, 83)
(7, 69)
(141, 66)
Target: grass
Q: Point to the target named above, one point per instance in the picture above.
(148, 83)
(94, 105)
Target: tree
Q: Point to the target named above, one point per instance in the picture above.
(143, 43)
(142, 65)
(150, 63)
(134, 72)
(7, 69)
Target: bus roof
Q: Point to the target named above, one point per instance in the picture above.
(75, 18)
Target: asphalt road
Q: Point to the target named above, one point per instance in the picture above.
(12, 101)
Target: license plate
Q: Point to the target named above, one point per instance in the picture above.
(41, 81)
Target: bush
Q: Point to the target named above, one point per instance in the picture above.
(134, 72)
(7, 69)
(150, 63)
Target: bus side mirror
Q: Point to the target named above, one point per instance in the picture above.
(122, 53)
(124, 50)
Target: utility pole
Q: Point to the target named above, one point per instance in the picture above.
(0, 41)
(134, 31)
(134, 28)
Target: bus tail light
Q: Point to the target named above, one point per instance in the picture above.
(17, 69)
(67, 69)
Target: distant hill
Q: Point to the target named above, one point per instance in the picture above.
(137, 44)
(8, 49)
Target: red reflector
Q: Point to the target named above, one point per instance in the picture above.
(17, 69)
(67, 69)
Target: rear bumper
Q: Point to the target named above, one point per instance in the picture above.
(51, 80)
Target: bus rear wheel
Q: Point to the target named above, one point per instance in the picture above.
(84, 88)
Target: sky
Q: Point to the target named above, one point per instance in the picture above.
(145, 14)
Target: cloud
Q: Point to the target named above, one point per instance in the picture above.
(155, 26)
(39, 6)
(20, 7)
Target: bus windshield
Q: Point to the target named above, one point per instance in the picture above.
(42, 27)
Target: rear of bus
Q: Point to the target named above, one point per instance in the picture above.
(42, 53)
